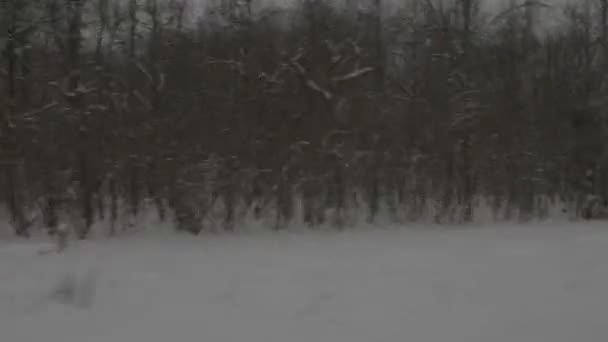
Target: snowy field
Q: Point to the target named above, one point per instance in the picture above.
(541, 283)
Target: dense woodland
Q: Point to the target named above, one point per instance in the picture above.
(321, 113)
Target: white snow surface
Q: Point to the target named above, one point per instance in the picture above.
(536, 283)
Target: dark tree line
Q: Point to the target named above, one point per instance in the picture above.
(315, 113)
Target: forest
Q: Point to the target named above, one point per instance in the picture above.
(320, 113)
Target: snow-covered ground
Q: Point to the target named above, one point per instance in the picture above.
(541, 283)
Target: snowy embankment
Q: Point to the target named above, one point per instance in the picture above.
(521, 283)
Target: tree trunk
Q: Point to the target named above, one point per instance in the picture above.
(74, 38)
(14, 191)
(113, 205)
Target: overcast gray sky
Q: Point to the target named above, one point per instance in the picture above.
(547, 17)
(490, 5)
(487, 3)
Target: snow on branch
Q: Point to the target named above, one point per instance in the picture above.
(294, 64)
(314, 86)
(310, 83)
(235, 65)
(144, 71)
(35, 112)
(353, 74)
